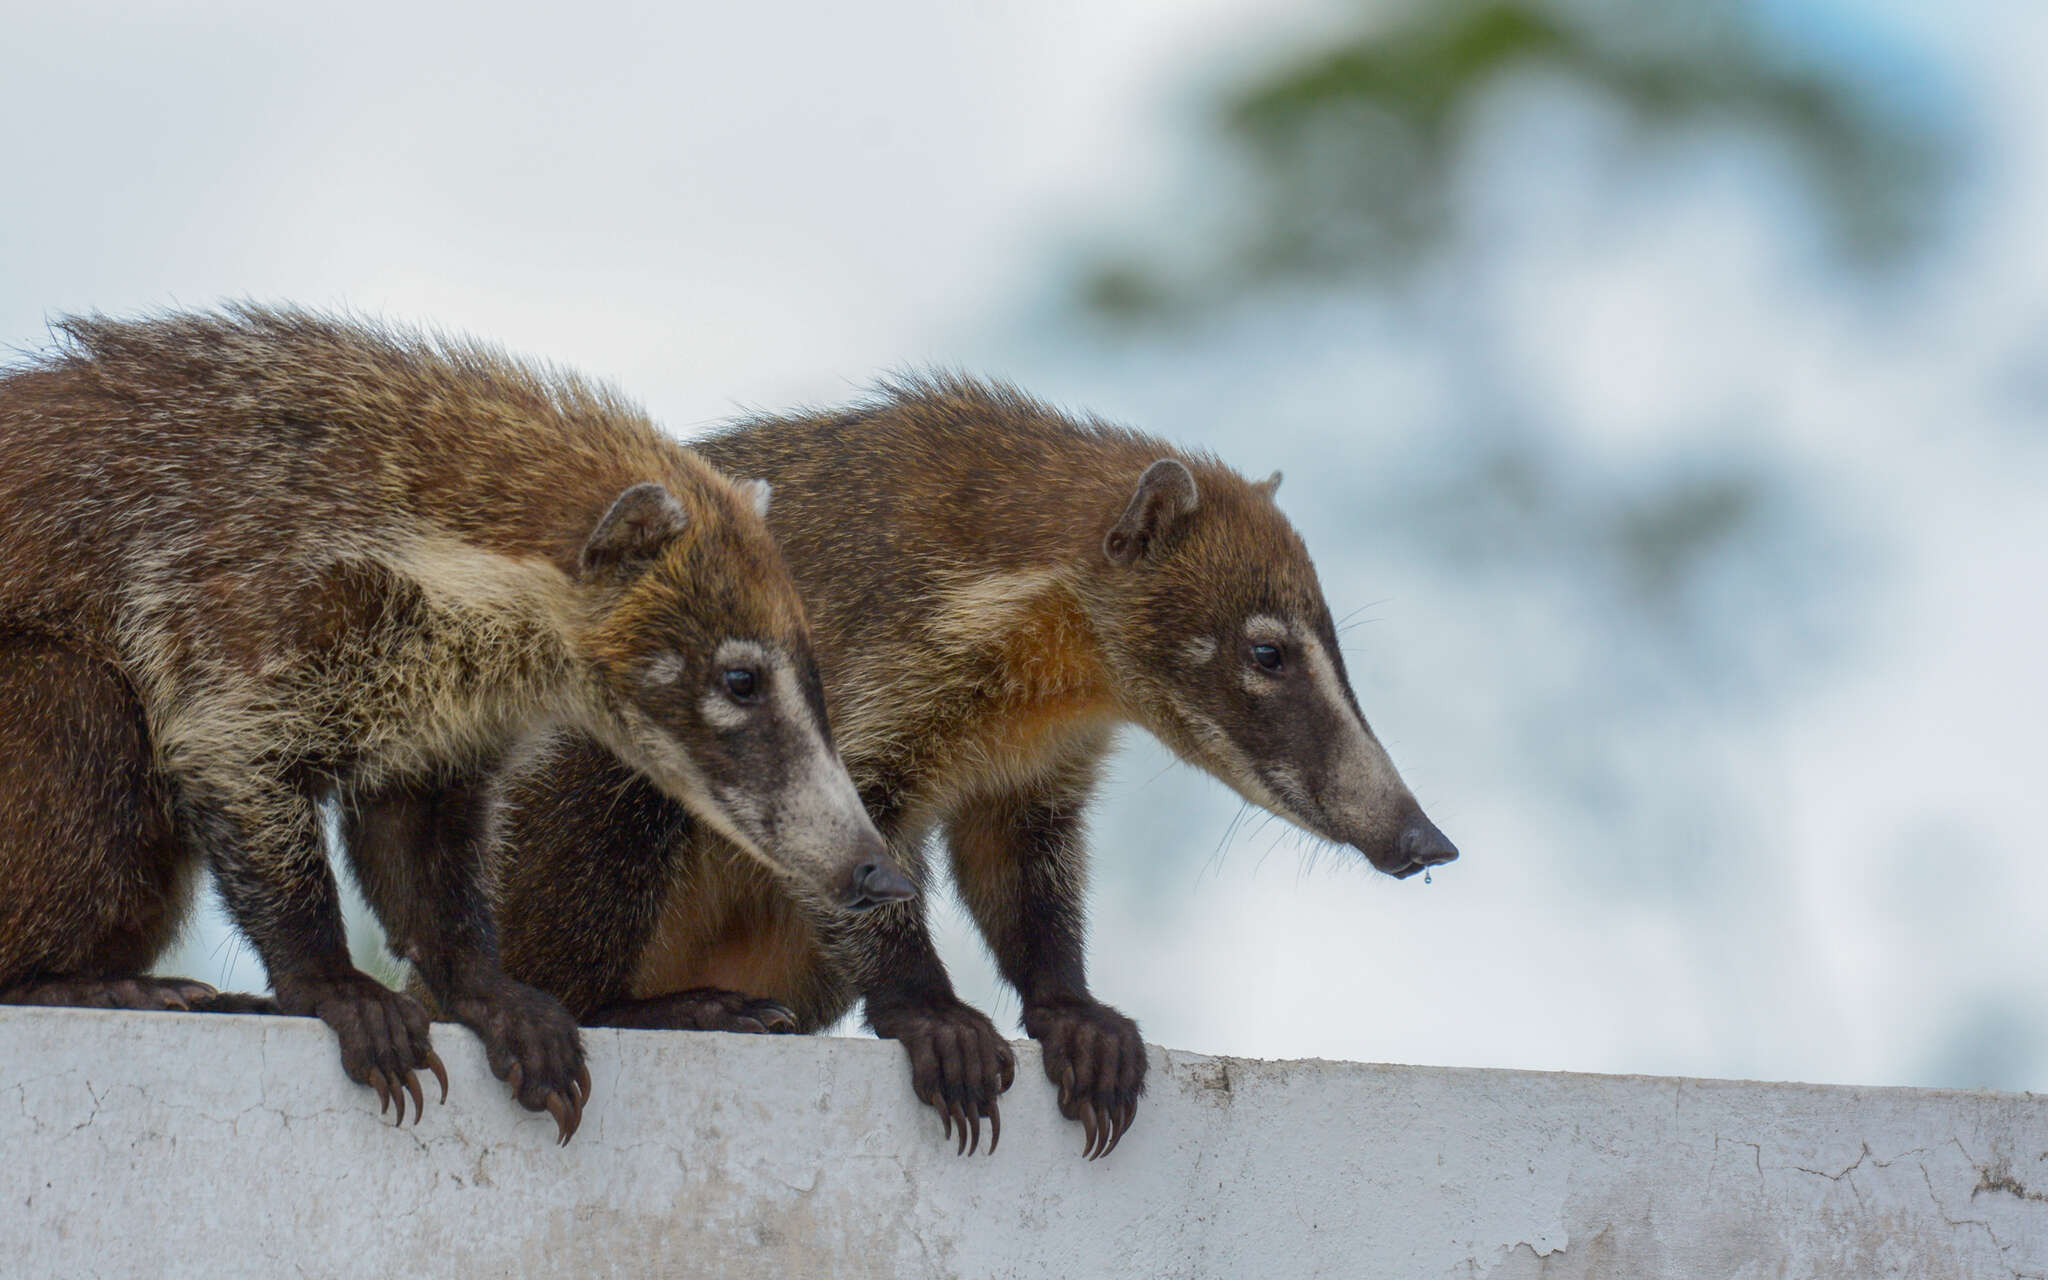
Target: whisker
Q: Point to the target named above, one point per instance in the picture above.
(1370, 604)
(1164, 769)
(1268, 819)
(1215, 861)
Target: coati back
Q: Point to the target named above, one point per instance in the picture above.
(256, 561)
(994, 588)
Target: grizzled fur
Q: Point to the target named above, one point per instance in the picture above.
(994, 589)
(256, 561)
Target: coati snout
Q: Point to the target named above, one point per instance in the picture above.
(719, 696)
(1235, 663)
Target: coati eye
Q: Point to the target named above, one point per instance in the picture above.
(1268, 656)
(742, 683)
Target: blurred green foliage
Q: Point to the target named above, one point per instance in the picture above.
(1350, 150)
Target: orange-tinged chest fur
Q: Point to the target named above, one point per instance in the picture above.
(1033, 680)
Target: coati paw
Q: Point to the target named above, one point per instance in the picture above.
(698, 1009)
(1097, 1059)
(147, 994)
(533, 1045)
(959, 1063)
(383, 1034)
(235, 1002)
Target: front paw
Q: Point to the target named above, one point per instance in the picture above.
(1095, 1056)
(959, 1062)
(698, 1009)
(384, 1038)
(532, 1043)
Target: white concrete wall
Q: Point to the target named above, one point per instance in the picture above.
(180, 1144)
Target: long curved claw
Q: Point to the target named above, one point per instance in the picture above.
(419, 1100)
(566, 1118)
(974, 1130)
(1087, 1110)
(960, 1128)
(1124, 1117)
(1119, 1126)
(995, 1126)
(583, 1080)
(946, 1118)
(440, 1072)
(384, 1095)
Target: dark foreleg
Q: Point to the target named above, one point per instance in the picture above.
(269, 861)
(418, 854)
(959, 1063)
(1019, 862)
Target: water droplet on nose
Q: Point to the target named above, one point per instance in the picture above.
(1425, 875)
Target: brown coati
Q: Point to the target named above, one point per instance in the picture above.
(258, 561)
(994, 588)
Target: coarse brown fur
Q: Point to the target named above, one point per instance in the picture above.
(994, 588)
(257, 561)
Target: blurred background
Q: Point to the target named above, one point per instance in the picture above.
(1663, 390)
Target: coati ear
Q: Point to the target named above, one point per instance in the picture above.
(1166, 494)
(1270, 485)
(758, 493)
(642, 521)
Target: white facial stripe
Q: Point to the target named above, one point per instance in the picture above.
(1362, 768)
(1264, 628)
(741, 653)
(1198, 651)
(1324, 672)
(790, 702)
(666, 669)
(721, 712)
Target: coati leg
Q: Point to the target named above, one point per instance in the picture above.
(1018, 861)
(959, 1063)
(261, 832)
(93, 877)
(417, 853)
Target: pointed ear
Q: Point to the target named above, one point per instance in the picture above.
(1165, 496)
(1270, 485)
(756, 492)
(642, 520)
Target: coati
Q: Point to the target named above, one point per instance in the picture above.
(994, 588)
(258, 561)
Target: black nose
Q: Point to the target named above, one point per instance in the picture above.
(875, 883)
(1423, 846)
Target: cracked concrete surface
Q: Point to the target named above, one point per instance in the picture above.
(185, 1144)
